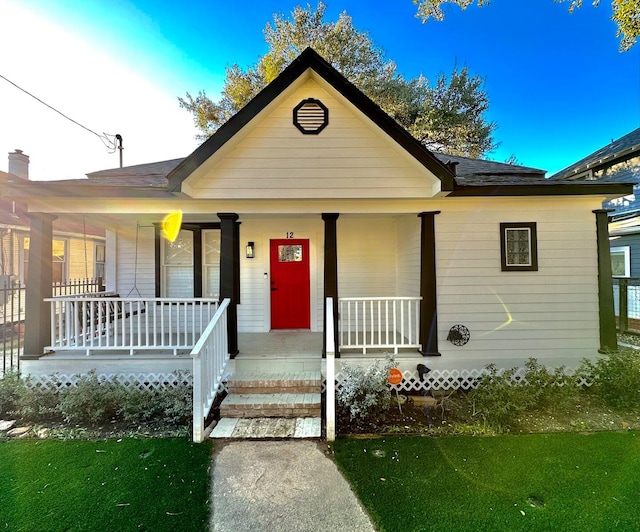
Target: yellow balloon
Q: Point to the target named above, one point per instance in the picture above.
(171, 225)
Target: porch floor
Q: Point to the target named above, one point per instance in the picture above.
(287, 343)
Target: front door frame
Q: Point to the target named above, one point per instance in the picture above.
(283, 315)
(313, 274)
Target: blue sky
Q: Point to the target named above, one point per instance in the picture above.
(557, 84)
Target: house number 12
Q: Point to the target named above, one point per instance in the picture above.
(289, 234)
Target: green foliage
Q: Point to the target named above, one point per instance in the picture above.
(172, 406)
(92, 400)
(501, 397)
(364, 393)
(626, 14)
(615, 378)
(448, 116)
(497, 399)
(37, 402)
(10, 390)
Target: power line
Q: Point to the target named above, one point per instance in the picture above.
(104, 138)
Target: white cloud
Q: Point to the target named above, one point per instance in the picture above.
(91, 86)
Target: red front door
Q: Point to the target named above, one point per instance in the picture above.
(290, 296)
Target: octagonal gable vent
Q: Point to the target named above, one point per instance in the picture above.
(310, 116)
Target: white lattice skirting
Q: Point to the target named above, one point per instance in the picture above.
(139, 381)
(447, 380)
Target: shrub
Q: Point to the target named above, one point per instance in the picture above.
(364, 392)
(545, 388)
(95, 400)
(172, 406)
(37, 402)
(11, 386)
(91, 400)
(500, 397)
(615, 378)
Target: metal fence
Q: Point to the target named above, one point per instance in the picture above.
(12, 314)
(626, 297)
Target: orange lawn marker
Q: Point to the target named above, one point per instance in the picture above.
(395, 376)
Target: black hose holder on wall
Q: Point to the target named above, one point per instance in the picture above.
(458, 335)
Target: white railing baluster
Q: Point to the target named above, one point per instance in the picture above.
(93, 322)
(379, 323)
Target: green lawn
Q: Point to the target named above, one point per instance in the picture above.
(530, 482)
(132, 484)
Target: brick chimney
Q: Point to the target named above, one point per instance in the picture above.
(19, 164)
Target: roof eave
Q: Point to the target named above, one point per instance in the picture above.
(598, 163)
(573, 189)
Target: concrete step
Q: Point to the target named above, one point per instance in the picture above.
(282, 382)
(288, 405)
(307, 427)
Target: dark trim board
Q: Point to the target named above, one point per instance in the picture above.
(543, 189)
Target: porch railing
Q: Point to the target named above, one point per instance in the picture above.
(379, 323)
(105, 321)
(210, 357)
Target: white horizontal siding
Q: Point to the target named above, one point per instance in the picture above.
(131, 279)
(409, 256)
(518, 314)
(350, 158)
(367, 253)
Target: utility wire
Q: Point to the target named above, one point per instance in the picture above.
(108, 142)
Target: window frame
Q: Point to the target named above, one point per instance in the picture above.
(197, 229)
(626, 250)
(533, 247)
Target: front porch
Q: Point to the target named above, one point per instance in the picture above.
(267, 351)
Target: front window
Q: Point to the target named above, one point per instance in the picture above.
(177, 266)
(190, 265)
(518, 246)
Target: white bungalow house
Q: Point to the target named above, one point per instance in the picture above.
(312, 192)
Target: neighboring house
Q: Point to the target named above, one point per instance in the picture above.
(618, 162)
(311, 191)
(78, 248)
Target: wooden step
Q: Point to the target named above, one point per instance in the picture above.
(265, 383)
(308, 427)
(286, 405)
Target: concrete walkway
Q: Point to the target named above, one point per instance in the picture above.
(281, 486)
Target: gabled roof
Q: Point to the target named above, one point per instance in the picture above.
(309, 59)
(624, 147)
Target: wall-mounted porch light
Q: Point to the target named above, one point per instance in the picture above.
(251, 250)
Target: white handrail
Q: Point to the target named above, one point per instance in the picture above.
(330, 389)
(379, 323)
(95, 322)
(210, 357)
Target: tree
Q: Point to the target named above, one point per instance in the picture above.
(626, 14)
(448, 116)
